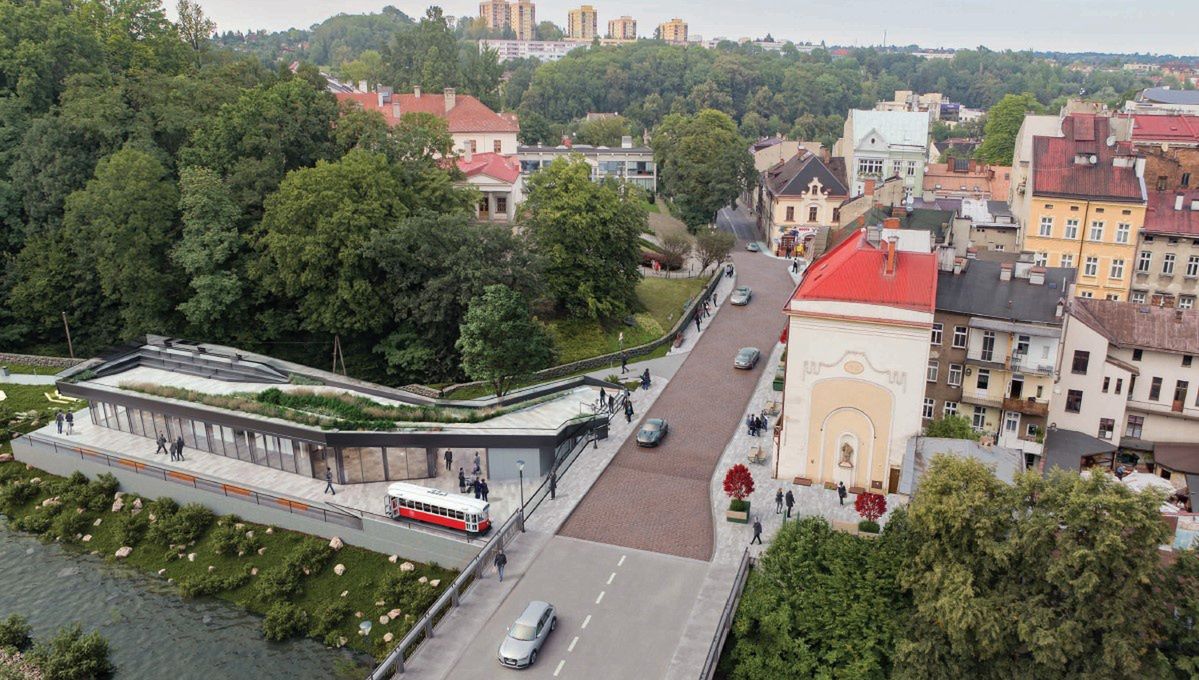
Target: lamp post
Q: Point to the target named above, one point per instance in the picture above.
(520, 470)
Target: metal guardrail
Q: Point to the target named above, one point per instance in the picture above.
(726, 617)
(293, 506)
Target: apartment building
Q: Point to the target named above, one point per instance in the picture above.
(1167, 261)
(495, 13)
(624, 28)
(802, 192)
(1128, 376)
(582, 23)
(473, 126)
(628, 163)
(1086, 207)
(881, 144)
(994, 347)
(541, 50)
(673, 31)
(520, 15)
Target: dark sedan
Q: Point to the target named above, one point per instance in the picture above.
(747, 358)
(652, 432)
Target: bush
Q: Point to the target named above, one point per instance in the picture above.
(738, 482)
(868, 526)
(15, 495)
(71, 655)
(738, 505)
(211, 584)
(70, 524)
(402, 589)
(132, 529)
(870, 506)
(286, 580)
(15, 633)
(228, 540)
(181, 527)
(325, 619)
(37, 522)
(284, 621)
(95, 496)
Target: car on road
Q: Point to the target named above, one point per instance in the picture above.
(747, 358)
(526, 636)
(652, 432)
(742, 295)
(753, 247)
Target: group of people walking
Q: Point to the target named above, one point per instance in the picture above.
(175, 448)
(68, 420)
(756, 424)
(477, 484)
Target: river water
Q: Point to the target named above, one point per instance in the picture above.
(152, 632)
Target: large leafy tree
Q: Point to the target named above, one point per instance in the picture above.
(501, 341)
(210, 252)
(951, 427)
(703, 162)
(585, 236)
(1003, 123)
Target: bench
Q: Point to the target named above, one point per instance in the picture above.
(756, 454)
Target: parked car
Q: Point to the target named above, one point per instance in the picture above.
(747, 358)
(742, 295)
(753, 247)
(653, 432)
(526, 637)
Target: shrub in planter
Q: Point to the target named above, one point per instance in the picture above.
(738, 483)
(868, 526)
(739, 506)
(870, 506)
(15, 633)
(284, 621)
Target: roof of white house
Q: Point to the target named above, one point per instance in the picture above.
(897, 127)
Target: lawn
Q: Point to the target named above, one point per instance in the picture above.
(323, 605)
(30, 369)
(22, 399)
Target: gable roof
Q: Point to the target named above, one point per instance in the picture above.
(467, 115)
(1056, 173)
(1130, 324)
(977, 291)
(792, 177)
(1148, 129)
(909, 128)
(853, 272)
(1162, 218)
(503, 168)
(1165, 95)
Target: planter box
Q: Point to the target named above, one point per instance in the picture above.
(830, 486)
(738, 516)
(802, 481)
(856, 490)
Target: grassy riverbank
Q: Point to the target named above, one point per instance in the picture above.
(288, 577)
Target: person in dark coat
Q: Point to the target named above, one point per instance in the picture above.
(162, 444)
(329, 482)
(624, 362)
(70, 423)
(778, 501)
(59, 419)
(478, 488)
(449, 460)
(749, 424)
(501, 561)
(179, 447)
(553, 484)
(790, 498)
(841, 492)
(757, 532)
(461, 480)
(628, 410)
(697, 328)
(612, 403)
(483, 488)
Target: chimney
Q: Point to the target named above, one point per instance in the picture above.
(1061, 307)
(898, 211)
(567, 141)
(1178, 201)
(892, 257)
(868, 187)
(395, 109)
(1005, 271)
(1140, 166)
(959, 265)
(416, 91)
(626, 141)
(450, 99)
(971, 253)
(1036, 276)
(891, 222)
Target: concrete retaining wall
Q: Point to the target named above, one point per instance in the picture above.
(378, 534)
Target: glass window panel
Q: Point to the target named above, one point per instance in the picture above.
(304, 459)
(239, 441)
(160, 425)
(108, 416)
(418, 463)
(189, 435)
(287, 456)
(272, 450)
(372, 464)
(397, 462)
(203, 435)
(351, 462)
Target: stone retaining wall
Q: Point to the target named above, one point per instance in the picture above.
(36, 360)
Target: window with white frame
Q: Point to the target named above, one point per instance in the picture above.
(1114, 297)
(1192, 266)
(1071, 229)
(870, 166)
(1031, 431)
(1046, 226)
(950, 408)
(1168, 264)
(938, 329)
(1091, 267)
(979, 418)
(955, 375)
(1086, 294)
(927, 413)
(983, 379)
(1040, 259)
(1117, 271)
(1011, 422)
(911, 168)
(1096, 230)
(1138, 296)
(1123, 231)
(1186, 301)
(1067, 260)
(1144, 261)
(959, 337)
(933, 370)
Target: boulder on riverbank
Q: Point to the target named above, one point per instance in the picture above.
(124, 551)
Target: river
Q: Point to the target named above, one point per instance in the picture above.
(152, 632)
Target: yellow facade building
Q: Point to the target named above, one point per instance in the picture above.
(1087, 206)
(624, 28)
(582, 24)
(673, 31)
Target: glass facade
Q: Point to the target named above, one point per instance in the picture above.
(349, 464)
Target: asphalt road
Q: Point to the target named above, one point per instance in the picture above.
(621, 612)
(736, 221)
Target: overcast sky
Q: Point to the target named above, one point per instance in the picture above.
(1161, 26)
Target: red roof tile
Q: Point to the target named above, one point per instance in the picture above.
(1057, 173)
(1162, 218)
(853, 272)
(503, 168)
(1147, 128)
(467, 115)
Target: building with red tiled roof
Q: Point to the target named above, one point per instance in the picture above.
(498, 179)
(1170, 145)
(965, 178)
(858, 352)
(470, 122)
(1167, 263)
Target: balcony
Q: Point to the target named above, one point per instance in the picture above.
(1023, 363)
(1029, 406)
(981, 398)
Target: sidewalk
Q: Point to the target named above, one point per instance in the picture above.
(27, 379)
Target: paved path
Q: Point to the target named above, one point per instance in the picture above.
(657, 499)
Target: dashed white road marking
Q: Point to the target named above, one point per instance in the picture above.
(611, 577)
(585, 622)
(573, 642)
(621, 562)
(559, 668)
(601, 597)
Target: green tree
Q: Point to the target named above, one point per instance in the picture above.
(369, 66)
(704, 164)
(195, 29)
(209, 251)
(481, 72)
(425, 56)
(501, 341)
(951, 427)
(71, 655)
(1003, 123)
(586, 238)
(713, 245)
(548, 30)
(603, 131)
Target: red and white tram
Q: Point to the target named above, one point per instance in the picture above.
(413, 501)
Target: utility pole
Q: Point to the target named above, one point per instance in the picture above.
(67, 327)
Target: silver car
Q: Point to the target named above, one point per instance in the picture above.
(526, 636)
(747, 358)
(742, 295)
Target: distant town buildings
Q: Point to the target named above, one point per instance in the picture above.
(519, 15)
(673, 31)
(624, 28)
(1163, 100)
(626, 163)
(473, 127)
(542, 50)
(582, 24)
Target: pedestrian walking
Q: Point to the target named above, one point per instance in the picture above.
(461, 480)
(478, 488)
(329, 482)
(478, 465)
(484, 489)
(612, 403)
(697, 329)
(70, 423)
(714, 298)
(178, 446)
(749, 425)
(501, 561)
(778, 501)
(162, 444)
(628, 411)
(645, 379)
(553, 484)
(59, 419)
(603, 398)
(449, 460)
(757, 532)
(790, 498)
(841, 492)
(624, 362)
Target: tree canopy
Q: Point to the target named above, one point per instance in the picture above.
(500, 339)
(703, 163)
(1003, 123)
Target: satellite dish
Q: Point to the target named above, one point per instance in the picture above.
(1111, 141)
(1093, 159)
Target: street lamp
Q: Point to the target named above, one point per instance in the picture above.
(520, 469)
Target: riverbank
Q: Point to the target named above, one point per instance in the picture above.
(302, 585)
